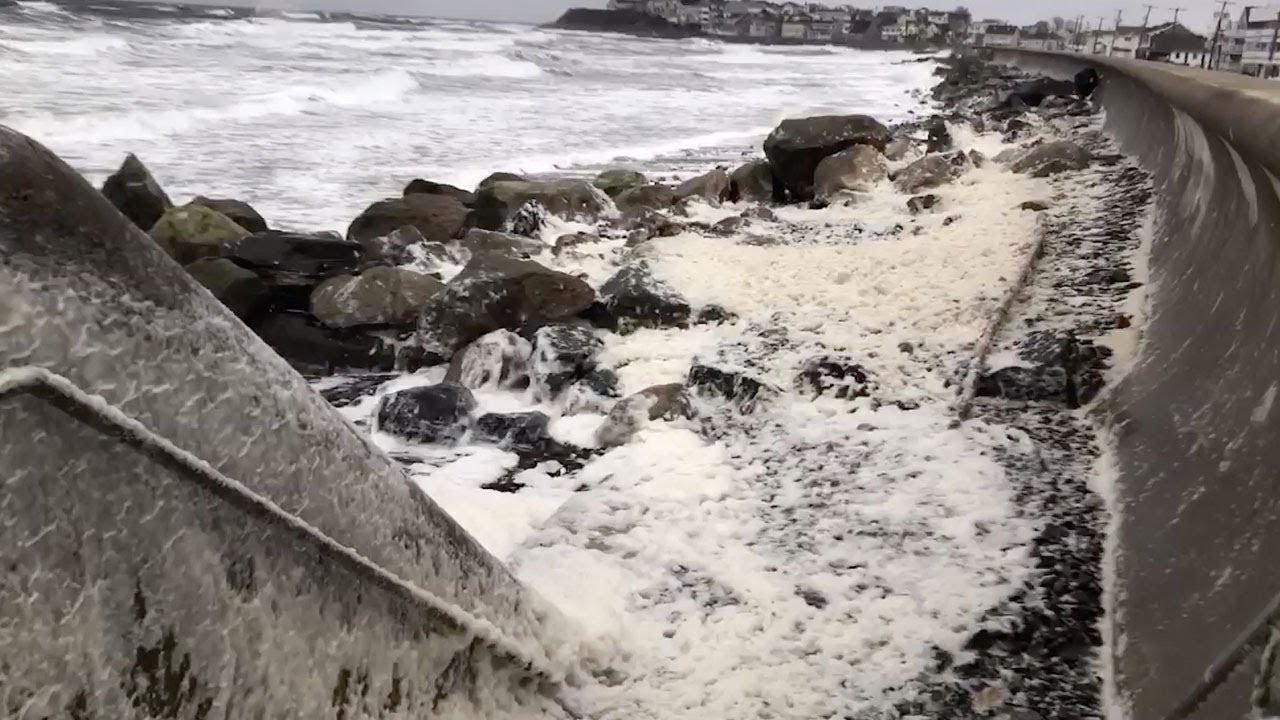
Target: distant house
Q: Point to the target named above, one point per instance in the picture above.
(797, 27)
(999, 36)
(764, 25)
(822, 29)
(1174, 43)
(738, 8)
(636, 5)
(1041, 39)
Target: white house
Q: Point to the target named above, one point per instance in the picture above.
(999, 36)
(796, 27)
(1039, 39)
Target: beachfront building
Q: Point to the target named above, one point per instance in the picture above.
(1174, 43)
(1252, 44)
(764, 25)
(999, 36)
(1037, 38)
(796, 27)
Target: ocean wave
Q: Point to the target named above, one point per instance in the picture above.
(38, 7)
(494, 66)
(79, 46)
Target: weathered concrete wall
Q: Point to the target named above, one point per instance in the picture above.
(1196, 420)
(85, 295)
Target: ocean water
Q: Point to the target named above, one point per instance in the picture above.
(311, 118)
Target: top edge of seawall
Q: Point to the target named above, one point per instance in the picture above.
(1242, 109)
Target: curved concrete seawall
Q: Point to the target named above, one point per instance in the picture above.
(188, 530)
(1196, 422)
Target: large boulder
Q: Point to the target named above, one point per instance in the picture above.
(418, 186)
(313, 348)
(497, 178)
(393, 248)
(294, 264)
(614, 182)
(497, 361)
(628, 417)
(796, 146)
(1051, 158)
(438, 217)
(524, 433)
(1034, 92)
(429, 414)
(498, 202)
(735, 386)
(633, 298)
(857, 169)
(191, 232)
(494, 292)
(563, 354)
(645, 197)
(136, 194)
(478, 241)
(752, 182)
(712, 187)
(241, 213)
(931, 171)
(378, 296)
(241, 290)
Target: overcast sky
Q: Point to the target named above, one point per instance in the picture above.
(1022, 11)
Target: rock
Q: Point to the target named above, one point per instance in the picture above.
(393, 248)
(418, 186)
(614, 182)
(728, 226)
(241, 213)
(630, 415)
(731, 385)
(314, 255)
(1034, 92)
(796, 147)
(564, 242)
(1086, 81)
(645, 197)
(752, 182)
(920, 203)
(430, 414)
(1059, 367)
(760, 212)
(529, 220)
(355, 387)
(712, 187)
(1034, 206)
(438, 217)
(939, 137)
(524, 433)
(977, 158)
(239, 289)
(931, 171)
(633, 298)
(378, 296)
(478, 242)
(136, 194)
(838, 375)
(1051, 158)
(432, 256)
(714, 314)
(497, 361)
(498, 202)
(315, 349)
(191, 232)
(562, 354)
(899, 149)
(497, 178)
(494, 292)
(857, 169)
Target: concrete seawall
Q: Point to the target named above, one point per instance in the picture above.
(1196, 422)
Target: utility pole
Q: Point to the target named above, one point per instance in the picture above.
(1077, 42)
(1217, 33)
(1097, 34)
(1176, 12)
(1146, 20)
(1115, 35)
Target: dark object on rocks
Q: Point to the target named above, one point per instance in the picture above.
(498, 202)
(241, 213)
(796, 147)
(977, 158)
(191, 232)
(528, 220)
(499, 360)
(564, 242)
(731, 385)
(856, 170)
(709, 314)
(602, 381)
(1062, 368)
(838, 375)
(712, 187)
(630, 415)
(614, 182)
(1034, 92)
(380, 296)
(562, 354)
(634, 298)
(526, 432)
(931, 171)
(653, 224)
(752, 182)
(393, 248)
(438, 217)
(645, 197)
(418, 186)
(434, 413)
(312, 255)
(1034, 206)
(313, 348)
(950, 220)
(355, 387)
(494, 292)
(1051, 158)
(239, 289)
(478, 241)
(939, 136)
(1086, 81)
(136, 194)
(920, 203)
(728, 226)
(760, 212)
(497, 178)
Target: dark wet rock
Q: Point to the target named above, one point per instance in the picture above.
(562, 354)
(796, 147)
(438, 217)
(1051, 158)
(596, 392)
(565, 242)
(393, 248)
(493, 293)
(614, 182)
(899, 149)
(529, 220)
(645, 197)
(526, 432)
(313, 255)
(497, 178)
(1034, 206)
(602, 381)
(241, 290)
(920, 203)
(378, 296)
(478, 241)
(857, 170)
(939, 139)
(241, 213)
(431, 414)
(752, 182)
(418, 186)
(191, 232)
(712, 187)
(728, 226)
(355, 387)
(311, 347)
(712, 314)
(653, 224)
(136, 194)
(628, 417)
(733, 385)
(836, 376)
(497, 203)
(1034, 92)
(1059, 368)
(931, 171)
(497, 361)
(634, 298)
(760, 212)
